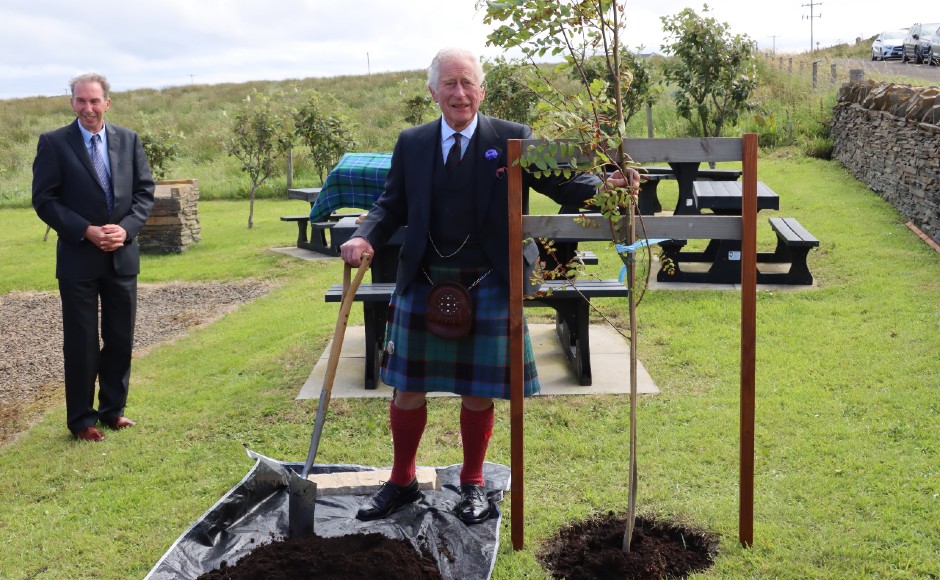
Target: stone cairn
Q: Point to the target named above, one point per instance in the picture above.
(174, 222)
(888, 136)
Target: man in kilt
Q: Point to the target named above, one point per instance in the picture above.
(447, 184)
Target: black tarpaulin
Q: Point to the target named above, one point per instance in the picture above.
(255, 512)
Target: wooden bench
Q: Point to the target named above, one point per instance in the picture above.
(793, 245)
(572, 318)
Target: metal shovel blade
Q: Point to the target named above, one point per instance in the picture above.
(301, 505)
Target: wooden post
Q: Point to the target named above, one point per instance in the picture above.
(516, 356)
(649, 120)
(748, 335)
(290, 168)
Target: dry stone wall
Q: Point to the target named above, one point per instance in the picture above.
(888, 136)
(174, 222)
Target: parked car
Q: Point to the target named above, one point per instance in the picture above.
(888, 44)
(917, 43)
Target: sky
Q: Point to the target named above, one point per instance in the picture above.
(163, 43)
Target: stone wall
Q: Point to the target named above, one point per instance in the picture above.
(174, 222)
(887, 135)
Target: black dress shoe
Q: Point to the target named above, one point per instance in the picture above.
(474, 506)
(388, 499)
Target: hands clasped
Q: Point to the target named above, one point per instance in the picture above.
(106, 238)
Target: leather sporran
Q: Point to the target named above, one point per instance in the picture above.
(449, 310)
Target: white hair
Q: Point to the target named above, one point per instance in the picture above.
(434, 71)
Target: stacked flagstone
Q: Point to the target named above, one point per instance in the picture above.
(888, 136)
(174, 222)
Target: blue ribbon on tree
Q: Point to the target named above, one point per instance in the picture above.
(632, 248)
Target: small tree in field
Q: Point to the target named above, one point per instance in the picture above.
(714, 72)
(508, 92)
(416, 101)
(638, 91)
(591, 113)
(160, 151)
(260, 136)
(324, 130)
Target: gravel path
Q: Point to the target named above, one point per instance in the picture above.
(31, 338)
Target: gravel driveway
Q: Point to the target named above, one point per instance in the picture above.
(31, 339)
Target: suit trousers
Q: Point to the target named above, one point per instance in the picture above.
(85, 358)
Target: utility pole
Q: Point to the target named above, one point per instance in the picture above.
(774, 49)
(191, 79)
(810, 18)
(368, 65)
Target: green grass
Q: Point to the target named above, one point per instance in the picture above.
(847, 425)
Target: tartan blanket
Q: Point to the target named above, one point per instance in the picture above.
(356, 182)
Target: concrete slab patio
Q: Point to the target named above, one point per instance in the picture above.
(610, 364)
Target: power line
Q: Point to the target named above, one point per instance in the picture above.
(810, 18)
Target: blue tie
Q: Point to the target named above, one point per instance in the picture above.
(102, 172)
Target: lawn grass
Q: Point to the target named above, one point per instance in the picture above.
(847, 423)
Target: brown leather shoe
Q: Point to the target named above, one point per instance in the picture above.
(89, 434)
(118, 423)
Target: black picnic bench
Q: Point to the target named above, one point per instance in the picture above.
(724, 256)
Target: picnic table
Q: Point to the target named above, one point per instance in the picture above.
(355, 182)
(686, 173)
(719, 198)
(724, 256)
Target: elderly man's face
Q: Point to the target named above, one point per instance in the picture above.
(458, 92)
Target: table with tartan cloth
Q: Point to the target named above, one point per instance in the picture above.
(356, 181)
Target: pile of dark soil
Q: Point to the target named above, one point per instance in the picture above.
(592, 549)
(353, 557)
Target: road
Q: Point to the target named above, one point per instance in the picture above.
(893, 70)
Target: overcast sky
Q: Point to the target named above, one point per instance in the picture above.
(161, 43)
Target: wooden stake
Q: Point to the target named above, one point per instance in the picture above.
(748, 335)
(516, 356)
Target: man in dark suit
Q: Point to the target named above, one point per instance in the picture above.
(92, 185)
(447, 184)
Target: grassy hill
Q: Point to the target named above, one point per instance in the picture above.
(785, 111)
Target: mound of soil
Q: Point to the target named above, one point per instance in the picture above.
(592, 549)
(352, 557)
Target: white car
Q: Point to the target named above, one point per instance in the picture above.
(888, 44)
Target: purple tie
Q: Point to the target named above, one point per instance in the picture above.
(102, 172)
(453, 156)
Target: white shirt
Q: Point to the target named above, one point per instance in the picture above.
(447, 136)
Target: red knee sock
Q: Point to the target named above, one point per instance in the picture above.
(476, 427)
(407, 427)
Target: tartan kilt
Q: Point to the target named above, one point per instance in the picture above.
(414, 360)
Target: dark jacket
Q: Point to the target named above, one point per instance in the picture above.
(69, 198)
(407, 196)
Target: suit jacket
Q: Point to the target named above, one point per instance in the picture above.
(68, 197)
(407, 196)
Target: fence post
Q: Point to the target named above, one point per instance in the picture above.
(832, 71)
(649, 120)
(290, 168)
(790, 65)
(856, 75)
(815, 68)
